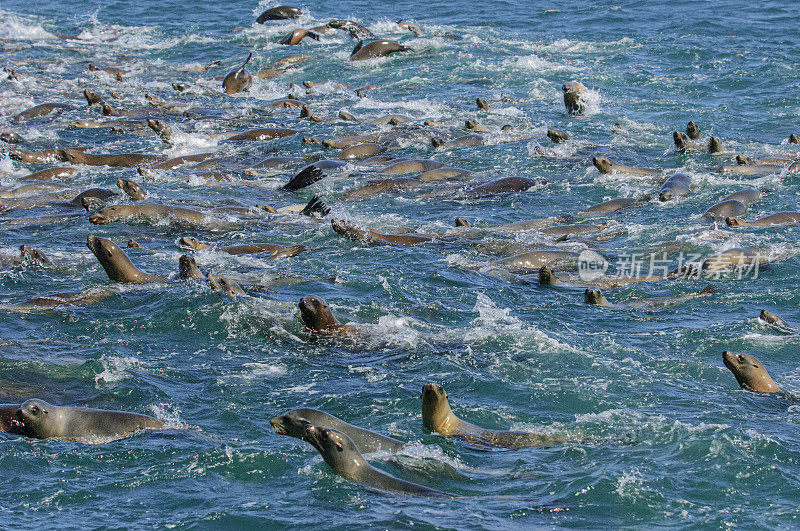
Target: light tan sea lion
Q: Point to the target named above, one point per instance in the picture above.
(39, 111)
(749, 372)
(149, 212)
(122, 160)
(49, 174)
(412, 166)
(361, 151)
(342, 455)
(596, 297)
(238, 80)
(678, 185)
(117, 264)
(133, 190)
(276, 251)
(462, 141)
(776, 322)
(438, 417)
(614, 205)
(604, 165)
(779, 218)
(225, 285)
(573, 97)
(95, 426)
(188, 269)
(294, 424)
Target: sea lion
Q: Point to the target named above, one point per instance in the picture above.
(604, 165)
(261, 134)
(413, 28)
(482, 104)
(161, 129)
(342, 455)
(294, 38)
(354, 232)
(438, 417)
(614, 205)
(749, 372)
(39, 111)
(10, 138)
(776, 322)
(95, 426)
(502, 186)
(748, 196)
(751, 169)
(30, 189)
(122, 160)
(312, 173)
(150, 212)
(225, 285)
(728, 208)
(99, 193)
(573, 97)
(412, 166)
(462, 141)
(678, 184)
(133, 190)
(187, 268)
(530, 262)
(357, 31)
(177, 161)
(116, 263)
(557, 136)
(375, 49)
(470, 124)
(276, 251)
(279, 13)
(37, 157)
(361, 151)
(50, 173)
(295, 421)
(443, 173)
(32, 255)
(692, 131)
(596, 297)
(393, 119)
(114, 72)
(317, 316)
(238, 80)
(779, 218)
(794, 139)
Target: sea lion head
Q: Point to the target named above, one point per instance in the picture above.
(714, 145)
(744, 160)
(34, 415)
(349, 230)
(461, 222)
(595, 296)
(32, 255)
(134, 191)
(435, 408)
(192, 243)
(749, 372)
(666, 195)
(692, 131)
(336, 448)
(223, 284)
(681, 140)
(572, 96)
(733, 222)
(69, 155)
(437, 141)
(547, 277)
(187, 268)
(316, 314)
(293, 424)
(603, 164)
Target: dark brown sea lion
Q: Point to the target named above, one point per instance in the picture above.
(357, 31)
(317, 316)
(776, 322)
(279, 13)
(276, 251)
(573, 97)
(375, 49)
(503, 186)
(692, 131)
(238, 80)
(187, 268)
(749, 372)
(116, 263)
(557, 136)
(354, 232)
(312, 173)
(438, 417)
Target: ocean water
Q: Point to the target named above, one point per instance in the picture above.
(663, 434)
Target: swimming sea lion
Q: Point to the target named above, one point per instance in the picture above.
(133, 190)
(276, 251)
(36, 157)
(357, 31)
(780, 218)
(298, 35)
(376, 49)
(412, 166)
(317, 316)
(678, 184)
(462, 141)
(604, 165)
(95, 426)
(794, 139)
(614, 205)
(438, 417)
(503, 185)
(39, 111)
(295, 421)
(741, 258)
(748, 196)
(776, 322)
(279, 13)
(530, 262)
(360, 151)
(121, 160)
(413, 28)
(187, 268)
(354, 232)
(729, 208)
(750, 169)
(573, 97)
(557, 136)
(11, 138)
(312, 173)
(596, 297)
(116, 263)
(342, 455)
(749, 372)
(50, 173)
(238, 80)
(225, 285)
(162, 129)
(692, 131)
(150, 212)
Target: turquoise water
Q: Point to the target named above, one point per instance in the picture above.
(670, 439)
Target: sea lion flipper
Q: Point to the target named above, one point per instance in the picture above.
(316, 206)
(250, 56)
(307, 176)
(357, 48)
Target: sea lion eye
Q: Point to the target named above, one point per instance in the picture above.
(35, 410)
(339, 448)
(740, 358)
